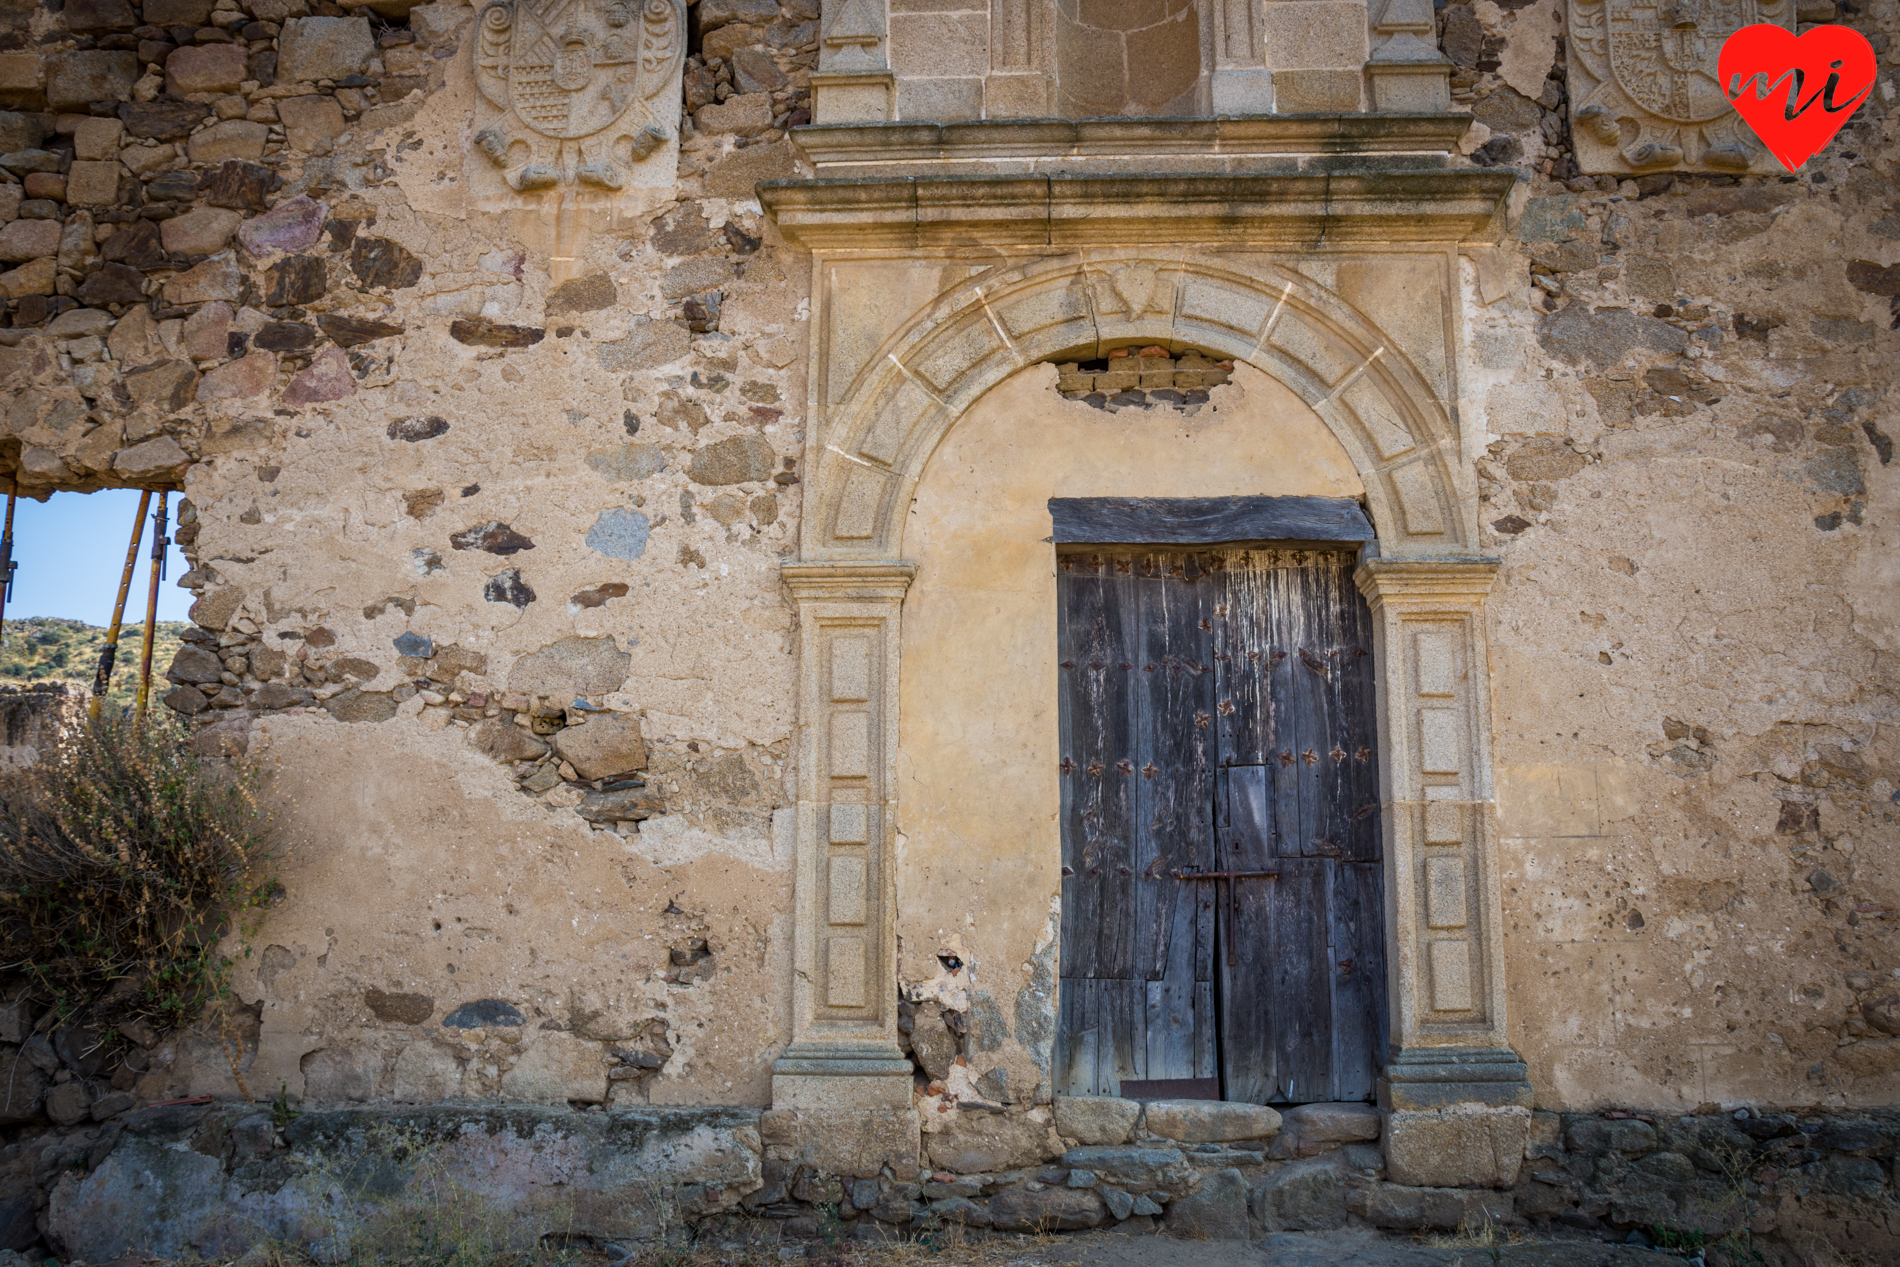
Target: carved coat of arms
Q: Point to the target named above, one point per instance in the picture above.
(1644, 94)
(580, 82)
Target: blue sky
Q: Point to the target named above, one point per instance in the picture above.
(71, 549)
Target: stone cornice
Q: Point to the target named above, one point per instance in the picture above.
(847, 582)
(832, 148)
(1461, 580)
(1307, 208)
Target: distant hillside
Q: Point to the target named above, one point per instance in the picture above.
(44, 648)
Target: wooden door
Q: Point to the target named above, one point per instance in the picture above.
(1217, 716)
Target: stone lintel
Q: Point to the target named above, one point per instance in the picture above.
(1405, 205)
(834, 149)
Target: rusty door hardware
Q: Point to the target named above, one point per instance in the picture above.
(1226, 879)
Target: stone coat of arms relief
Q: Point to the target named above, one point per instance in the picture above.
(589, 91)
(1644, 95)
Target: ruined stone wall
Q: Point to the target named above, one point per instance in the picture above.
(485, 498)
(1682, 385)
(487, 492)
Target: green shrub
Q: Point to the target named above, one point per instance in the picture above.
(125, 857)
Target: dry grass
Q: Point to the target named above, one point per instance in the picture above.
(124, 859)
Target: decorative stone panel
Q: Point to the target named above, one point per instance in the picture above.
(1643, 90)
(592, 107)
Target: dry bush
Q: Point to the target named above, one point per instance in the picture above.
(125, 857)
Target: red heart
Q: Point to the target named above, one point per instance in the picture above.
(1796, 93)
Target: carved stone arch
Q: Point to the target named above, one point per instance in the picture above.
(910, 392)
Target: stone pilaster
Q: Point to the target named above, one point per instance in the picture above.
(844, 1048)
(1443, 914)
(1240, 82)
(1406, 73)
(853, 83)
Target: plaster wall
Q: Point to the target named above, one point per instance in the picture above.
(979, 836)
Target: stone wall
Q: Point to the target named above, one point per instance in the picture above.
(34, 719)
(488, 491)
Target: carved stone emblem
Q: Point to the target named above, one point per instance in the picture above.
(1133, 289)
(1643, 89)
(589, 88)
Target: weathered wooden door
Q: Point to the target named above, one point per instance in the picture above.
(1217, 717)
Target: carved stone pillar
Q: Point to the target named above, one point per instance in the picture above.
(1443, 910)
(844, 1048)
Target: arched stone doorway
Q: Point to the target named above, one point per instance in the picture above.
(907, 339)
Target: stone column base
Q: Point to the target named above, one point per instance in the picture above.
(1464, 1146)
(1424, 1078)
(839, 1075)
(848, 1143)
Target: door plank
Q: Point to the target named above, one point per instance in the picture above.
(1093, 643)
(1356, 904)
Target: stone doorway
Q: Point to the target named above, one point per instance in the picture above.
(1223, 892)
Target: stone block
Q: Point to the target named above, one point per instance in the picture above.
(216, 278)
(555, 1068)
(740, 460)
(206, 68)
(246, 378)
(435, 23)
(238, 139)
(97, 139)
(572, 666)
(28, 240)
(1303, 1196)
(169, 13)
(973, 1142)
(1315, 35)
(940, 100)
(152, 459)
(1135, 1168)
(427, 1073)
(738, 174)
(1316, 91)
(609, 744)
(93, 183)
(22, 76)
(747, 114)
(1593, 1137)
(1465, 1146)
(323, 48)
(1317, 1127)
(69, 1103)
(206, 335)
(849, 1143)
(753, 70)
(75, 80)
(200, 231)
(292, 225)
(1209, 1121)
(1096, 1119)
(36, 278)
(311, 123)
(1407, 1209)
(1051, 1210)
(648, 345)
(1216, 1211)
(1016, 97)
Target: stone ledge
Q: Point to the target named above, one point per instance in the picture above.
(1401, 205)
(925, 145)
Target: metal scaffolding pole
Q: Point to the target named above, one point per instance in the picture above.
(102, 681)
(159, 542)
